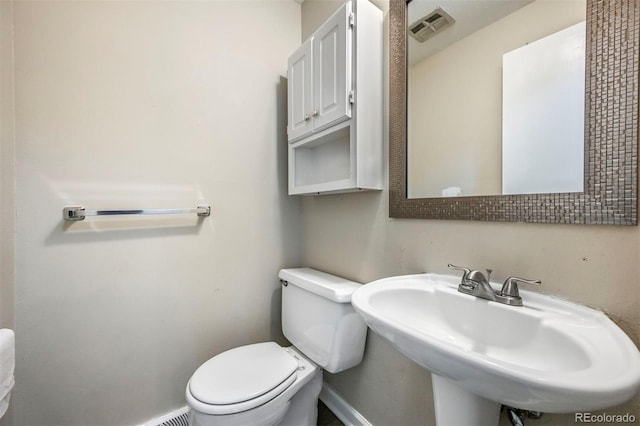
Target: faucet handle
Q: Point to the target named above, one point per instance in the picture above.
(461, 268)
(465, 285)
(510, 286)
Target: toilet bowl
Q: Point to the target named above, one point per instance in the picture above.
(267, 384)
(254, 393)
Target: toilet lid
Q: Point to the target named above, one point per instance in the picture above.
(243, 374)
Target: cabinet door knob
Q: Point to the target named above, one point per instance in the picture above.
(306, 117)
(314, 113)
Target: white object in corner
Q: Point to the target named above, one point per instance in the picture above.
(335, 107)
(7, 367)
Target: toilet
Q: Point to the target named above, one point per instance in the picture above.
(267, 384)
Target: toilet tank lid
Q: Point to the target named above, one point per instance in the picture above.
(326, 285)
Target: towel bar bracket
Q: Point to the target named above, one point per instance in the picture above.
(73, 213)
(203, 210)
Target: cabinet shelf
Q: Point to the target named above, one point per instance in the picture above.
(336, 132)
(322, 163)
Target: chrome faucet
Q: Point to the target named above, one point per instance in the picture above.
(482, 288)
(475, 283)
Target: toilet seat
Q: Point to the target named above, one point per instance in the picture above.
(242, 378)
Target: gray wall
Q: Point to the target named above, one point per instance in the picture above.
(351, 235)
(7, 181)
(156, 104)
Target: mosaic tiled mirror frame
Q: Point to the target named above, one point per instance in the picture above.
(611, 133)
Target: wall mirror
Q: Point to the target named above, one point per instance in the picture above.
(472, 133)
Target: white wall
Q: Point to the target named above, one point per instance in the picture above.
(351, 235)
(134, 104)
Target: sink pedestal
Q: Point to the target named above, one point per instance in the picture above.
(455, 405)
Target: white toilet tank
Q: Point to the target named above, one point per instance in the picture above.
(318, 319)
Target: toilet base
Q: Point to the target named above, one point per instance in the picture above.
(303, 410)
(262, 416)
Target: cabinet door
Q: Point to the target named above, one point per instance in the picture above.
(332, 70)
(299, 76)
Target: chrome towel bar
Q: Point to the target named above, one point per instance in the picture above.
(74, 213)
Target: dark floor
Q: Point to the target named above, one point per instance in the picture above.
(326, 417)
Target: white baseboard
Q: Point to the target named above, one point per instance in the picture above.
(175, 414)
(341, 408)
(334, 401)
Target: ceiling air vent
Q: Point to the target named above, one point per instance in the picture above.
(427, 26)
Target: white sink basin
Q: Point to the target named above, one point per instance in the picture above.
(549, 355)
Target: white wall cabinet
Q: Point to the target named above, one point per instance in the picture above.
(335, 104)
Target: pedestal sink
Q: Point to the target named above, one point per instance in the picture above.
(549, 355)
